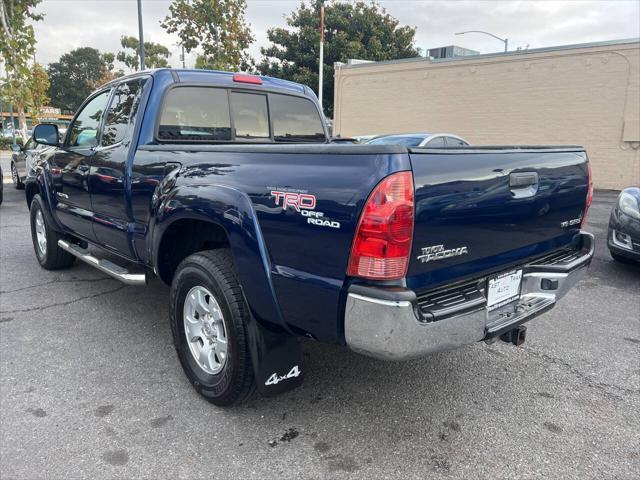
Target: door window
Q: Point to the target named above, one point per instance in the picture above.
(437, 142)
(122, 108)
(83, 132)
(456, 142)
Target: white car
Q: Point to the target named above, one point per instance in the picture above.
(430, 140)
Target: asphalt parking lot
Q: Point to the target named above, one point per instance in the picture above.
(91, 388)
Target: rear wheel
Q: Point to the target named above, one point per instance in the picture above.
(15, 178)
(208, 322)
(45, 239)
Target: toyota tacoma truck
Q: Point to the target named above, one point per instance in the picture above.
(228, 188)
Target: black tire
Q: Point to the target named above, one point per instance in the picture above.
(15, 178)
(53, 258)
(214, 270)
(622, 259)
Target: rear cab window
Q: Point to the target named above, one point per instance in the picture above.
(203, 114)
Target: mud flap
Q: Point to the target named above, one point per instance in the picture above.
(276, 358)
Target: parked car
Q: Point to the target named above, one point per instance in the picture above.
(1, 186)
(430, 140)
(21, 160)
(364, 138)
(624, 227)
(227, 188)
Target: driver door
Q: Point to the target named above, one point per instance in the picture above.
(70, 167)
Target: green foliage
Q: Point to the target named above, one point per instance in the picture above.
(77, 74)
(155, 55)
(16, 49)
(6, 142)
(38, 86)
(217, 27)
(352, 30)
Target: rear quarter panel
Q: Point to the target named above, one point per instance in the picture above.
(308, 262)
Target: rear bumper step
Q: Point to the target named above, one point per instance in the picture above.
(104, 265)
(409, 327)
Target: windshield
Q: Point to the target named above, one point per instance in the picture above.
(404, 141)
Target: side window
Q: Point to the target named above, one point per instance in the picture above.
(295, 119)
(456, 142)
(437, 142)
(31, 144)
(250, 115)
(123, 106)
(195, 114)
(83, 132)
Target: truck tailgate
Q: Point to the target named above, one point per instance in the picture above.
(479, 210)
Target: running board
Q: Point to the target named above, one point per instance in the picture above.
(103, 265)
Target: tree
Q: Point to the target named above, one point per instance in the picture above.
(217, 27)
(38, 87)
(352, 30)
(77, 74)
(155, 54)
(16, 49)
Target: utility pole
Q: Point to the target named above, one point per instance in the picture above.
(321, 54)
(503, 40)
(141, 35)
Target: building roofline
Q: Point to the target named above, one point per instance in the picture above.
(515, 53)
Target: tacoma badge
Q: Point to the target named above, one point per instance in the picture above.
(438, 252)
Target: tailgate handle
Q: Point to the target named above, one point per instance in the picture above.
(523, 179)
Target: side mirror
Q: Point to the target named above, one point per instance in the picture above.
(46, 134)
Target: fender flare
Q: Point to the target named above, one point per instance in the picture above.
(233, 211)
(40, 180)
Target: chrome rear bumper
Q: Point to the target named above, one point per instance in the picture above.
(397, 327)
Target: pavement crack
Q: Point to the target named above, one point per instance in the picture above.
(56, 280)
(586, 379)
(63, 304)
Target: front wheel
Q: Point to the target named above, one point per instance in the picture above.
(208, 322)
(45, 238)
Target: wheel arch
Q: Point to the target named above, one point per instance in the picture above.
(203, 217)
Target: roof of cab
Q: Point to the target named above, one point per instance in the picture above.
(219, 78)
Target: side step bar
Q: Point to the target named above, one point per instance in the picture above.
(106, 266)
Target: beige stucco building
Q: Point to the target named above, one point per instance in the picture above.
(585, 94)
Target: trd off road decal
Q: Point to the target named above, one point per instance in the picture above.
(304, 203)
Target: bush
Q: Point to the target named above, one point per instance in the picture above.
(5, 142)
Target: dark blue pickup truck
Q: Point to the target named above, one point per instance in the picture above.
(228, 188)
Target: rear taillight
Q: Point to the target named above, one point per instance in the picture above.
(589, 195)
(382, 243)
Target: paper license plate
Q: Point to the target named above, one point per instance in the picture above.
(503, 288)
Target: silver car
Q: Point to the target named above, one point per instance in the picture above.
(430, 140)
(22, 159)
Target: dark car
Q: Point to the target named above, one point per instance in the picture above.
(21, 160)
(624, 226)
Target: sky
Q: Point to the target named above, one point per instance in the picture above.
(70, 24)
